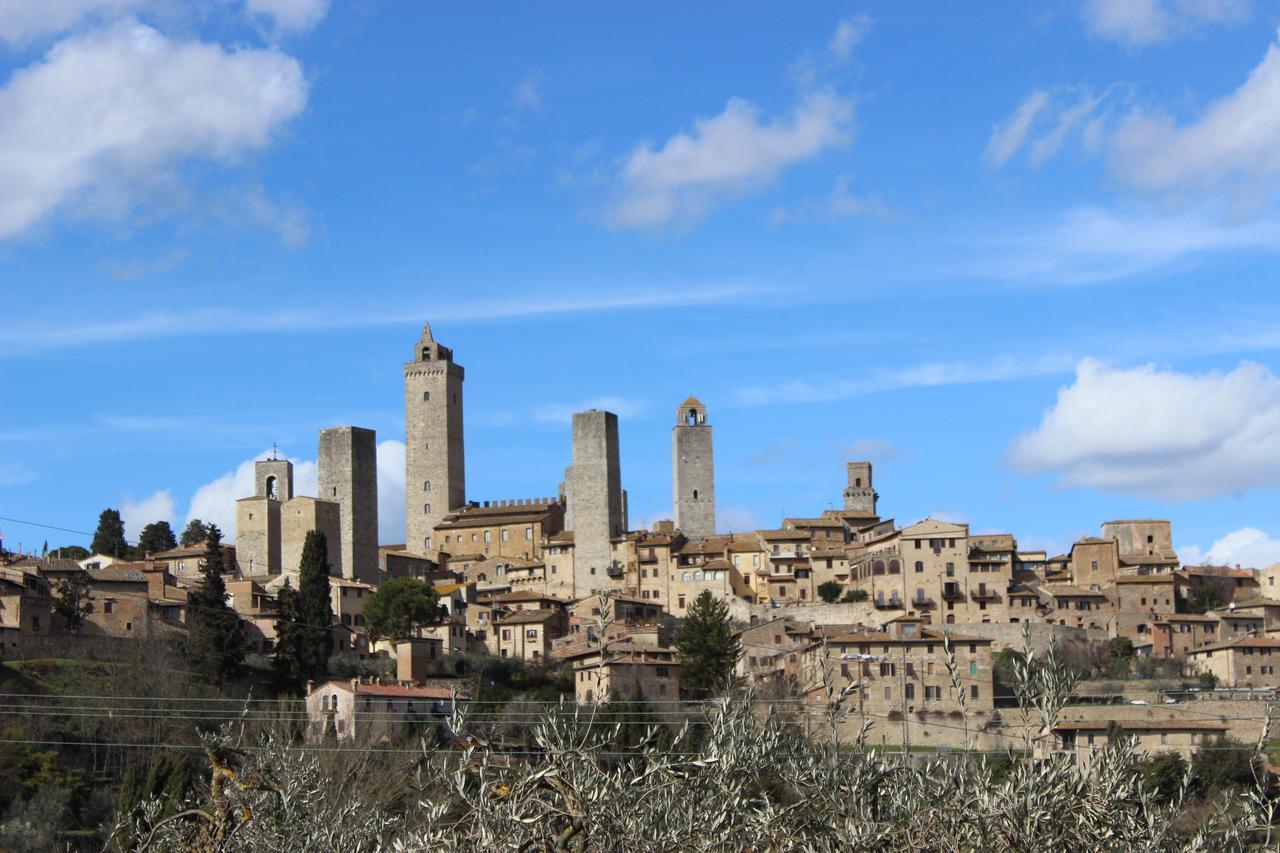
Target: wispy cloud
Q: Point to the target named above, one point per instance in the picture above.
(29, 338)
(562, 413)
(927, 375)
(1141, 23)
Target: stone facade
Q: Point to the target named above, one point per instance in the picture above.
(349, 477)
(435, 471)
(258, 535)
(693, 471)
(595, 498)
(860, 497)
(300, 516)
(273, 478)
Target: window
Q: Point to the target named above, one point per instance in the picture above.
(681, 601)
(660, 671)
(487, 535)
(531, 633)
(695, 494)
(973, 691)
(426, 395)
(506, 633)
(919, 566)
(951, 570)
(685, 576)
(426, 509)
(106, 606)
(894, 567)
(528, 533)
(888, 693)
(909, 692)
(128, 626)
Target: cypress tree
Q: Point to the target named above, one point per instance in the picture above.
(315, 608)
(708, 649)
(288, 655)
(215, 646)
(109, 537)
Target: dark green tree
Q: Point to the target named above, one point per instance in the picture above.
(109, 537)
(288, 656)
(830, 591)
(1223, 763)
(156, 537)
(400, 605)
(315, 607)
(635, 717)
(71, 552)
(215, 646)
(708, 648)
(854, 595)
(1206, 597)
(1164, 772)
(195, 533)
(1120, 648)
(72, 600)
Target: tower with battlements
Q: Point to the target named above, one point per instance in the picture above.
(435, 473)
(859, 496)
(693, 471)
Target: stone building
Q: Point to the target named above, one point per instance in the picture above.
(860, 497)
(623, 670)
(1242, 662)
(365, 711)
(923, 570)
(258, 518)
(348, 470)
(299, 517)
(505, 528)
(693, 471)
(435, 470)
(594, 489)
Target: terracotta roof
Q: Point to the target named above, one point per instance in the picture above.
(114, 574)
(1217, 571)
(1063, 590)
(743, 545)
(527, 595)
(794, 535)
(47, 564)
(523, 617)
(1240, 643)
(563, 537)
(718, 563)
(691, 401)
(1145, 579)
(1187, 617)
(403, 692)
(822, 521)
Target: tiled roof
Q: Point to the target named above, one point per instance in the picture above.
(1240, 643)
(526, 595)
(114, 574)
(526, 617)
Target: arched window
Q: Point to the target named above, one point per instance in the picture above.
(685, 576)
(426, 353)
(426, 509)
(877, 568)
(481, 577)
(697, 575)
(909, 692)
(426, 395)
(271, 487)
(692, 417)
(426, 543)
(894, 567)
(426, 486)
(720, 575)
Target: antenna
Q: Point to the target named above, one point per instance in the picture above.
(274, 455)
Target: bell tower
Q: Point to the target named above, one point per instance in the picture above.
(435, 473)
(693, 471)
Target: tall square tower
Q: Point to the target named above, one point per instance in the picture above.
(693, 471)
(435, 472)
(349, 478)
(595, 498)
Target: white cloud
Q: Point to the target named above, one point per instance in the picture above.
(130, 107)
(1248, 547)
(138, 514)
(916, 376)
(215, 501)
(290, 14)
(1138, 23)
(23, 21)
(1158, 433)
(562, 413)
(1007, 136)
(527, 93)
(1237, 139)
(848, 35)
(843, 203)
(725, 156)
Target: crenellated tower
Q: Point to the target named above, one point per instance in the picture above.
(435, 473)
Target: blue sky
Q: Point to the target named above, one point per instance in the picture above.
(1021, 257)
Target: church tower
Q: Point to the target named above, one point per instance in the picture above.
(435, 476)
(693, 471)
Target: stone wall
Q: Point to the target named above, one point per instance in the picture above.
(693, 472)
(434, 457)
(595, 497)
(297, 518)
(258, 536)
(349, 477)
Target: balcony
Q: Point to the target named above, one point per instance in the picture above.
(922, 601)
(985, 595)
(889, 604)
(952, 593)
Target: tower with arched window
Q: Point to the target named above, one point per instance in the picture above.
(693, 471)
(435, 473)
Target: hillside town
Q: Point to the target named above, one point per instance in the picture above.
(912, 615)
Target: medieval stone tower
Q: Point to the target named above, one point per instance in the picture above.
(860, 497)
(258, 532)
(349, 477)
(693, 471)
(435, 475)
(594, 487)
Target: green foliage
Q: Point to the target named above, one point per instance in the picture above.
(1004, 666)
(708, 648)
(109, 537)
(215, 646)
(72, 601)
(829, 591)
(635, 720)
(854, 595)
(288, 657)
(1120, 648)
(1222, 763)
(400, 605)
(1164, 773)
(195, 533)
(1206, 597)
(315, 607)
(156, 537)
(71, 552)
